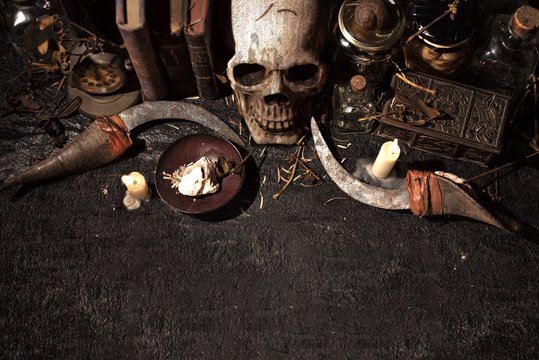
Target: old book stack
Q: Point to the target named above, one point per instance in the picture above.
(131, 19)
(169, 46)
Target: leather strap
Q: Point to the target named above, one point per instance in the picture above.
(424, 193)
(118, 135)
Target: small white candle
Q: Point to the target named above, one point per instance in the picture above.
(388, 155)
(136, 185)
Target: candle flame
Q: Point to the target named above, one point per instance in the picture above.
(128, 180)
(395, 146)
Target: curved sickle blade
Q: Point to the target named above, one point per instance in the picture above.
(391, 199)
(455, 200)
(158, 110)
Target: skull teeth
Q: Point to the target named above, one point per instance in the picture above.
(271, 125)
(272, 118)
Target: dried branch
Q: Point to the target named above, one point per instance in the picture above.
(501, 167)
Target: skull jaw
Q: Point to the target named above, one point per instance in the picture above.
(264, 136)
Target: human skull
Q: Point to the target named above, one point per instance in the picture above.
(277, 68)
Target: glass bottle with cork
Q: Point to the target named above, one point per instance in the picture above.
(509, 55)
(353, 105)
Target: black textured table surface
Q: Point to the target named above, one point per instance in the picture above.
(313, 275)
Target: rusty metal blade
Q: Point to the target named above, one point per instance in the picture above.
(177, 110)
(391, 199)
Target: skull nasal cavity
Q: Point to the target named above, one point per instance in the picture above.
(276, 99)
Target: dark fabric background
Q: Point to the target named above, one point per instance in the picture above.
(295, 278)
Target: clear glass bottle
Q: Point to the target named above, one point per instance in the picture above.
(509, 56)
(353, 101)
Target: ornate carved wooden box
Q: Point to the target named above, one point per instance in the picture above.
(470, 128)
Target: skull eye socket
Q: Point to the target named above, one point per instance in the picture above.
(305, 74)
(249, 74)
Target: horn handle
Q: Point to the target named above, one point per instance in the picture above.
(430, 194)
(103, 141)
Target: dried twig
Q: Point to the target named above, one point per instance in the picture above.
(340, 140)
(287, 170)
(333, 199)
(60, 85)
(277, 195)
(310, 185)
(297, 158)
(413, 84)
(261, 201)
(501, 167)
(452, 10)
(376, 116)
(307, 168)
(237, 168)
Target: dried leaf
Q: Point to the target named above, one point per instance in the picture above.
(27, 101)
(70, 108)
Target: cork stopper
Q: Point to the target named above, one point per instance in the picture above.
(358, 83)
(526, 20)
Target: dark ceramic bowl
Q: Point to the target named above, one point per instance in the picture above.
(187, 150)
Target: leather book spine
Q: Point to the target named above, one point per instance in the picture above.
(166, 22)
(197, 35)
(131, 22)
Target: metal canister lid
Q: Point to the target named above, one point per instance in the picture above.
(450, 32)
(372, 26)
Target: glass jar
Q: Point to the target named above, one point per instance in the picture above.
(352, 105)
(368, 34)
(445, 46)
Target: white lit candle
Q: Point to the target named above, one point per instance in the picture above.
(136, 186)
(388, 155)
